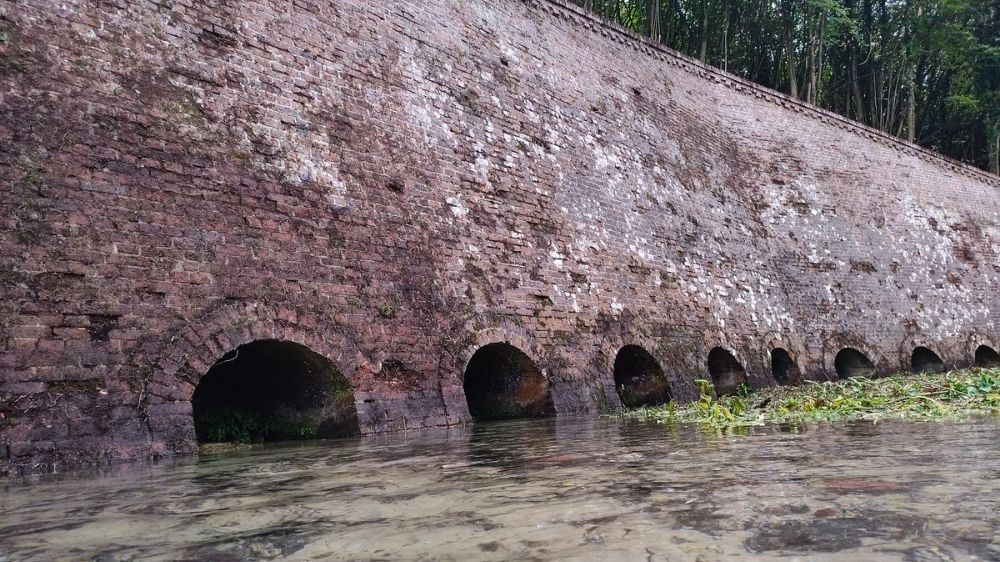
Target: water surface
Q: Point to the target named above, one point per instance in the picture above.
(580, 489)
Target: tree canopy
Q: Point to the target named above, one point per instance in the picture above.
(924, 70)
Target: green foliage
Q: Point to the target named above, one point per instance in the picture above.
(245, 426)
(948, 396)
(225, 425)
(984, 385)
(726, 411)
(962, 105)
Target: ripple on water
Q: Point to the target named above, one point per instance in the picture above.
(538, 490)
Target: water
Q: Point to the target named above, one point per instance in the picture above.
(565, 489)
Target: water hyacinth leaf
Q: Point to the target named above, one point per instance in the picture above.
(931, 396)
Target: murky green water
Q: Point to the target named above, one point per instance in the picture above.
(546, 490)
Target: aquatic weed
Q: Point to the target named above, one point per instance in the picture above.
(954, 395)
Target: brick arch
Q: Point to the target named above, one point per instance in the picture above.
(569, 395)
(974, 341)
(475, 333)
(608, 349)
(486, 394)
(733, 352)
(793, 345)
(602, 369)
(642, 390)
(724, 342)
(912, 342)
(192, 351)
(502, 333)
(833, 344)
(719, 339)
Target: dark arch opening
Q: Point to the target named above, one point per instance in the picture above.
(271, 390)
(852, 363)
(501, 382)
(727, 373)
(926, 361)
(639, 379)
(986, 357)
(784, 368)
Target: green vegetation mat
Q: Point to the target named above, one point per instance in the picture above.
(954, 395)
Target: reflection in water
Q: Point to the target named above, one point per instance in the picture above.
(538, 489)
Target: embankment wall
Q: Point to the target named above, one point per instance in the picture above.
(394, 184)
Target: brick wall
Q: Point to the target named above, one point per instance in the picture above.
(394, 184)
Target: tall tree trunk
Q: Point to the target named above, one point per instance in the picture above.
(668, 35)
(859, 104)
(704, 31)
(886, 92)
(911, 107)
(725, 39)
(818, 63)
(788, 32)
(653, 19)
(868, 66)
(994, 148)
(808, 63)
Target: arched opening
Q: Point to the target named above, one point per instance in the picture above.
(784, 368)
(727, 373)
(926, 361)
(271, 390)
(639, 379)
(852, 363)
(501, 382)
(987, 357)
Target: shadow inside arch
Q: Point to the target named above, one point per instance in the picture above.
(784, 369)
(639, 379)
(273, 390)
(923, 360)
(502, 382)
(987, 357)
(850, 362)
(728, 374)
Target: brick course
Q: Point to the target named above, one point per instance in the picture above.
(395, 184)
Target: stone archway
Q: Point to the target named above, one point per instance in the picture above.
(784, 368)
(987, 357)
(502, 382)
(198, 347)
(639, 379)
(923, 360)
(273, 390)
(728, 374)
(852, 363)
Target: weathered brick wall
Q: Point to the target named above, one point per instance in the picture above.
(394, 184)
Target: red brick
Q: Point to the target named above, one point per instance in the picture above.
(436, 190)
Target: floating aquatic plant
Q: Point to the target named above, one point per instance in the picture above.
(954, 395)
